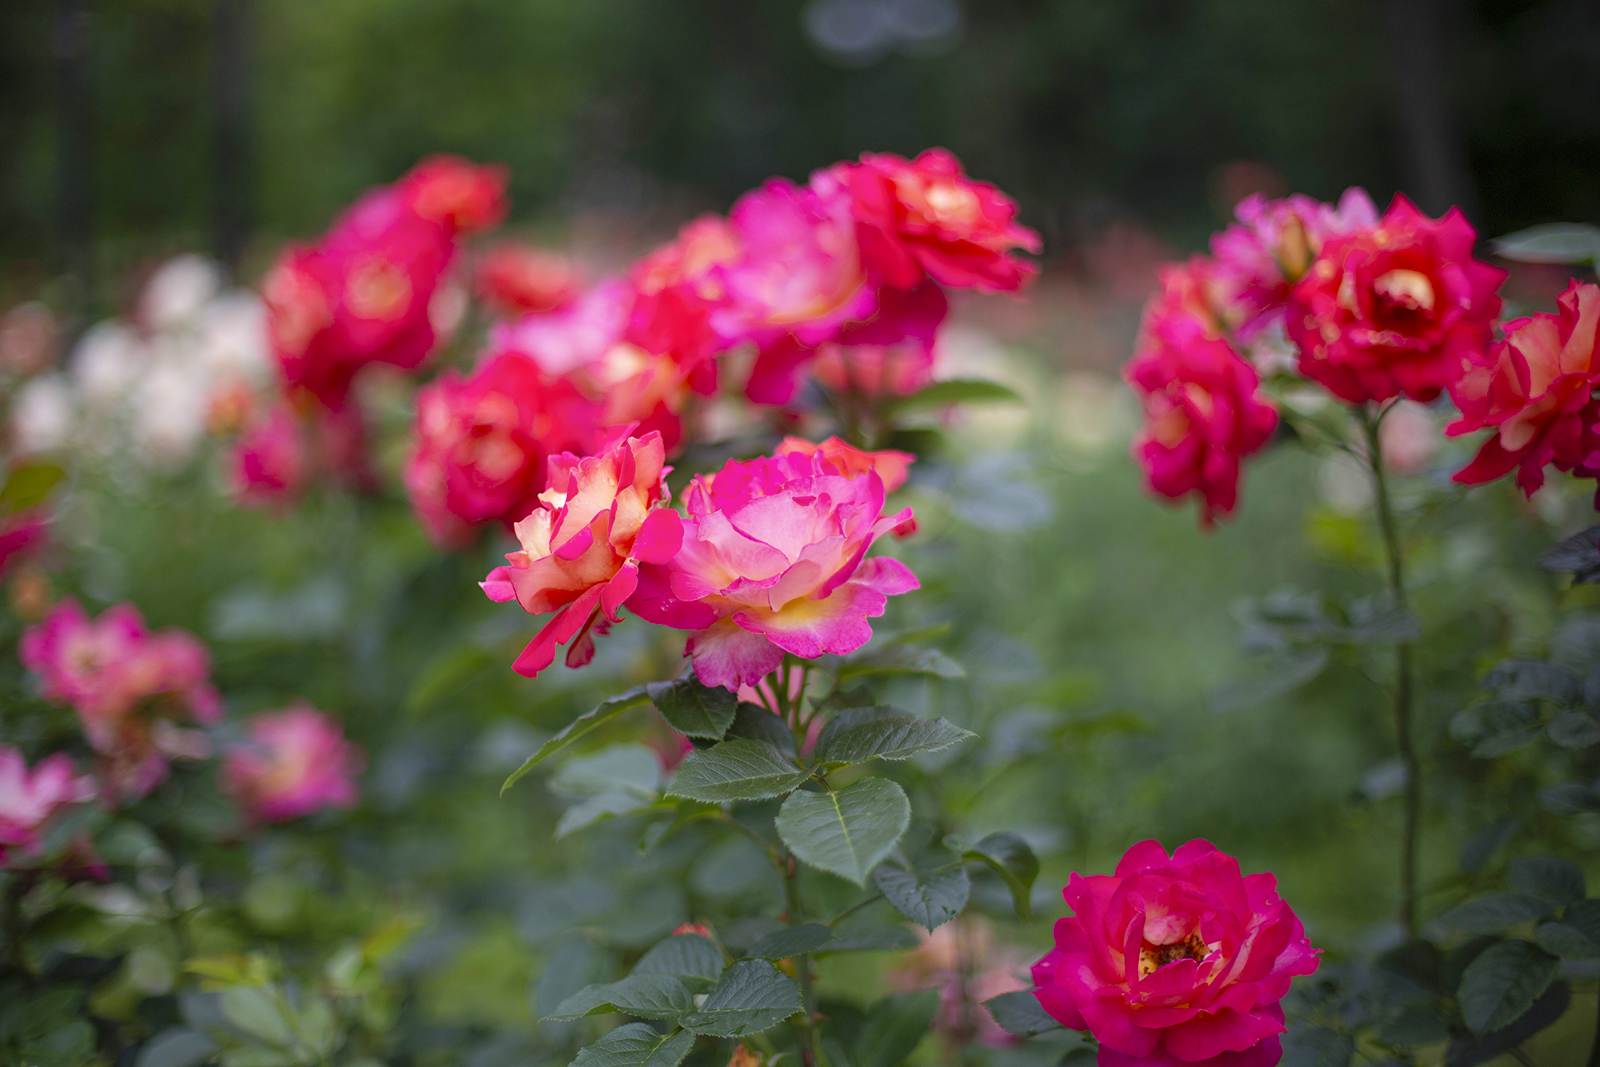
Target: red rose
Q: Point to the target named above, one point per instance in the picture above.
(1175, 961)
(1537, 392)
(926, 216)
(1401, 307)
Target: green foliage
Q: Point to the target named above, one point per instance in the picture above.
(736, 770)
(846, 831)
(1502, 983)
(1021, 1014)
(698, 710)
(751, 996)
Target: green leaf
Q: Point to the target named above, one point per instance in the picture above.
(1013, 860)
(1490, 914)
(930, 900)
(256, 1012)
(792, 941)
(68, 1045)
(1317, 1046)
(955, 391)
(591, 810)
(893, 1027)
(1021, 1013)
(687, 811)
(647, 996)
(845, 832)
(902, 659)
(1502, 983)
(691, 958)
(29, 485)
(1575, 730)
(1555, 881)
(755, 723)
(260, 1056)
(693, 708)
(1569, 798)
(752, 996)
(1545, 1012)
(636, 1045)
(176, 1047)
(890, 737)
(1534, 679)
(575, 729)
(736, 770)
(871, 937)
(1553, 242)
(1497, 727)
(1579, 554)
(1566, 941)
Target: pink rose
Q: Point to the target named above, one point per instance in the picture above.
(270, 466)
(1202, 411)
(583, 544)
(482, 444)
(516, 279)
(691, 259)
(130, 688)
(773, 561)
(1537, 393)
(1259, 258)
(1400, 308)
(28, 799)
(853, 462)
(295, 761)
(925, 217)
(1175, 961)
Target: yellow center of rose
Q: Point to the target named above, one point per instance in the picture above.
(1154, 957)
(377, 289)
(1407, 288)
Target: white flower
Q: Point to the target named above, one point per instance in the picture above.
(42, 414)
(178, 292)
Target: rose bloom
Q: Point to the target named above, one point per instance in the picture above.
(481, 444)
(773, 562)
(903, 322)
(130, 688)
(1401, 308)
(1202, 412)
(519, 280)
(21, 534)
(583, 544)
(925, 217)
(29, 799)
(457, 193)
(1175, 961)
(1260, 257)
(269, 461)
(1537, 394)
(798, 270)
(874, 370)
(295, 761)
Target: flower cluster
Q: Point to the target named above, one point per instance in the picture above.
(1176, 961)
(377, 288)
(144, 698)
(844, 275)
(1368, 307)
(770, 557)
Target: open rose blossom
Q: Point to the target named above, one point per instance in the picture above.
(28, 799)
(1537, 394)
(925, 217)
(269, 462)
(1202, 412)
(1175, 961)
(482, 444)
(1399, 308)
(1260, 257)
(517, 279)
(583, 544)
(130, 687)
(457, 193)
(294, 762)
(774, 561)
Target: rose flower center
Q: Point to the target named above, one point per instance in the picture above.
(1154, 957)
(1405, 296)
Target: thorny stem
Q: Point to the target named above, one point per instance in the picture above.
(1594, 1049)
(806, 1030)
(1403, 682)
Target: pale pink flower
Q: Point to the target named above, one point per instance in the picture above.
(29, 799)
(296, 761)
(961, 960)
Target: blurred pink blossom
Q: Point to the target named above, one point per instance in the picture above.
(295, 761)
(28, 799)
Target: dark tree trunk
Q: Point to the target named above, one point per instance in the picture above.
(1437, 174)
(70, 47)
(231, 70)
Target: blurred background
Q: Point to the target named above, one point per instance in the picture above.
(137, 126)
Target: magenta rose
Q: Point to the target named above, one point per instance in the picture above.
(1175, 961)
